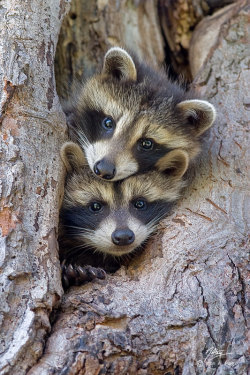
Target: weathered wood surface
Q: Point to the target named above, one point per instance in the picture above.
(206, 34)
(181, 307)
(91, 27)
(32, 128)
(178, 20)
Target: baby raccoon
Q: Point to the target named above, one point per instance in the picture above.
(110, 219)
(129, 118)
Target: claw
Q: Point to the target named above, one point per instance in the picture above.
(65, 281)
(78, 275)
(92, 273)
(70, 271)
(82, 273)
(101, 274)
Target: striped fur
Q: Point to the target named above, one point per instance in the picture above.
(141, 104)
(134, 205)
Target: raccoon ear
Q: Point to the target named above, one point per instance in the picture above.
(199, 113)
(72, 156)
(174, 162)
(119, 64)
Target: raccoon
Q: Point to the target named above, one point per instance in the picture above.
(129, 117)
(110, 219)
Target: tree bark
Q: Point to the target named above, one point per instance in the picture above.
(32, 131)
(93, 26)
(180, 308)
(178, 20)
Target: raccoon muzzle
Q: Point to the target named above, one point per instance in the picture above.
(105, 169)
(123, 237)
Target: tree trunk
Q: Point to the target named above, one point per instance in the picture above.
(32, 131)
(178, 20)
(93, 26)
(179, 308)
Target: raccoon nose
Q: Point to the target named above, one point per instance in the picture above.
(104, 169)
(123, 237)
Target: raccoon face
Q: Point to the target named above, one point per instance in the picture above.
(114, 217)
(129, 117)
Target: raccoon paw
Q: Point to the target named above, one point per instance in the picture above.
(77, 275)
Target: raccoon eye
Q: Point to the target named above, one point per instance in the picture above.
(140, 204)
(95, 207)
(108, 123)
(145, 144)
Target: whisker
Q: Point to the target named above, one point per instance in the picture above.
(83, 139)
(79, 230)
(77, 249)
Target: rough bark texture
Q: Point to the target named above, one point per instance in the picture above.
(93, 26)
(32, 128)
(206, 34)
(178, 20)
(180, 308)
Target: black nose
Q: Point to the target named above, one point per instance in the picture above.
(123, 237)
(104, 169)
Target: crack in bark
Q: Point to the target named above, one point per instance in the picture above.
(205, 305)
(241, 302)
